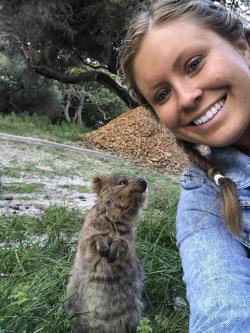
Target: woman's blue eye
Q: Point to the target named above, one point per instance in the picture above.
(194, 64)
(162, 95)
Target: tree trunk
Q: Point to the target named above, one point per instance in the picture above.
(15, 107)
(79, 109)
(66, 110)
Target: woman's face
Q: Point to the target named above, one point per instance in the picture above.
(197, 82)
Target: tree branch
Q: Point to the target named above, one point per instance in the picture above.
(98, 76)
(86, 77)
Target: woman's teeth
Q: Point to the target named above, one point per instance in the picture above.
(210, 113)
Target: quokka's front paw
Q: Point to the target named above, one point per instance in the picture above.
(111, 249)
(117, 249)
(103, 245)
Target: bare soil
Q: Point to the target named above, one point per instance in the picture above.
(53, 174)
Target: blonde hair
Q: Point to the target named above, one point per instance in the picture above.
(215, 17)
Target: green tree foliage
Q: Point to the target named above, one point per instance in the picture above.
(101, 106)
(56, 35)
(22, 90)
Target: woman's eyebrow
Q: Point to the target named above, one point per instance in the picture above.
(188, 51)
(157, 85)
(174, 65)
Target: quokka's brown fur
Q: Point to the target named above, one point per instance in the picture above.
(104, 293)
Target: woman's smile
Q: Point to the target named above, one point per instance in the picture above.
(210, 113)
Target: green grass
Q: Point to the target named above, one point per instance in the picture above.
(40, 127)
(34, 274)
(78, 188)
(10, 172)
(22, 187)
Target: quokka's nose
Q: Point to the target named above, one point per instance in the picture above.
(143, 183)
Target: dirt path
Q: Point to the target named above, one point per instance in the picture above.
(36, 174)
(46, 143)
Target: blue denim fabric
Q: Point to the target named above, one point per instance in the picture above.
(216, 264)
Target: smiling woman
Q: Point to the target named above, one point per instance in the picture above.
(195, 79)
(188, 63)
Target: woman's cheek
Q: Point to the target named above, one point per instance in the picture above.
(169, 120)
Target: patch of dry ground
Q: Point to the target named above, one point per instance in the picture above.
(23, 165)
(135, 135)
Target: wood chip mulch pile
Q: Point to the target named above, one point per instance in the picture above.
(135, 135)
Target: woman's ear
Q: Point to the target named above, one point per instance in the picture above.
(243, 47)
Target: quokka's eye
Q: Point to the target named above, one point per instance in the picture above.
(123, 182)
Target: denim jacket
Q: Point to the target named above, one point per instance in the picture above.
(215, 262)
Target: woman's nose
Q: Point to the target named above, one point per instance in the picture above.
(188, 97)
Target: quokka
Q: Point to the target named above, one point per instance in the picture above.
(104, 292)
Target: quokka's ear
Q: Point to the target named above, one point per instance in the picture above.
(98, 182)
